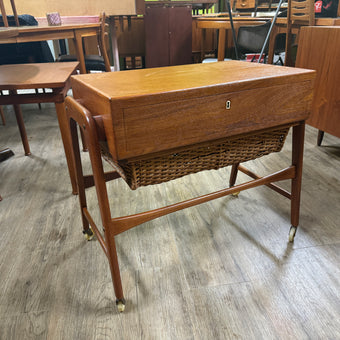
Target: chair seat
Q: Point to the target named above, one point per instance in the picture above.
(92, 62)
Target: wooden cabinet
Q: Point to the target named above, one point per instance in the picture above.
(318, 49)
(168, 35)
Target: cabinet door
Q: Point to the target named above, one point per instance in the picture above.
(156, 36)
(168, 36)
(180, 35)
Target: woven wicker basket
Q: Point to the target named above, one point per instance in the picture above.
(164, 167)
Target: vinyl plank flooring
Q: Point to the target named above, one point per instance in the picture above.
(289, 303)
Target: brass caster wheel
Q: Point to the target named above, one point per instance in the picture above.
(292, 233)
(235, 194)
(88, 234)
(120, 305)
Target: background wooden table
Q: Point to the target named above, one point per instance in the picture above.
(44, 32)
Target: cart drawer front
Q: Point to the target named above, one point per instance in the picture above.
(153, 128)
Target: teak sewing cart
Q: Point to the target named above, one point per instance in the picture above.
(155, 125)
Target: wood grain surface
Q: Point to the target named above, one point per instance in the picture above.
(33, 76)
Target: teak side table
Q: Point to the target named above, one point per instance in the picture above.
(55, 78)
(155, 125)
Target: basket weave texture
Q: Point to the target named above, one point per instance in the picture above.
(215, 155)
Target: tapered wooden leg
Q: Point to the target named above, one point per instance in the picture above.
(39, 104)
(271, 48)
(320, 137)
(233, 175)
(79, 175)
(288, 49)
(79, 50)
(297, 161)
(66, 138)
(221, 44)
(22, 130)
(115, 273)
(100, 184)
(2, 115)
(86, 123)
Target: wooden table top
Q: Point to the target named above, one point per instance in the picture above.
(151, 110)
(46, 27)
(8, 32)
(44, 32)
(32, 76)
(148, 82)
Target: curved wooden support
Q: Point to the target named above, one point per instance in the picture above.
(77, 113)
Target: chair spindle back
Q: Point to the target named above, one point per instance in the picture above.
(4, 15)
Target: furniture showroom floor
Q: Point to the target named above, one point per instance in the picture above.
(221, 270)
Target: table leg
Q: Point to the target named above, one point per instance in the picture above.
(297, 161)
(78, 42)
(2, 116)
(66, 138)
(114, 43)
(288, 49)
(271, 48)
(221, 44)
(203, 42)
(233, 175)
(86, 124)
(320, 137)
(21, 126)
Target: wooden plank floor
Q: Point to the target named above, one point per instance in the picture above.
(222, 270)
